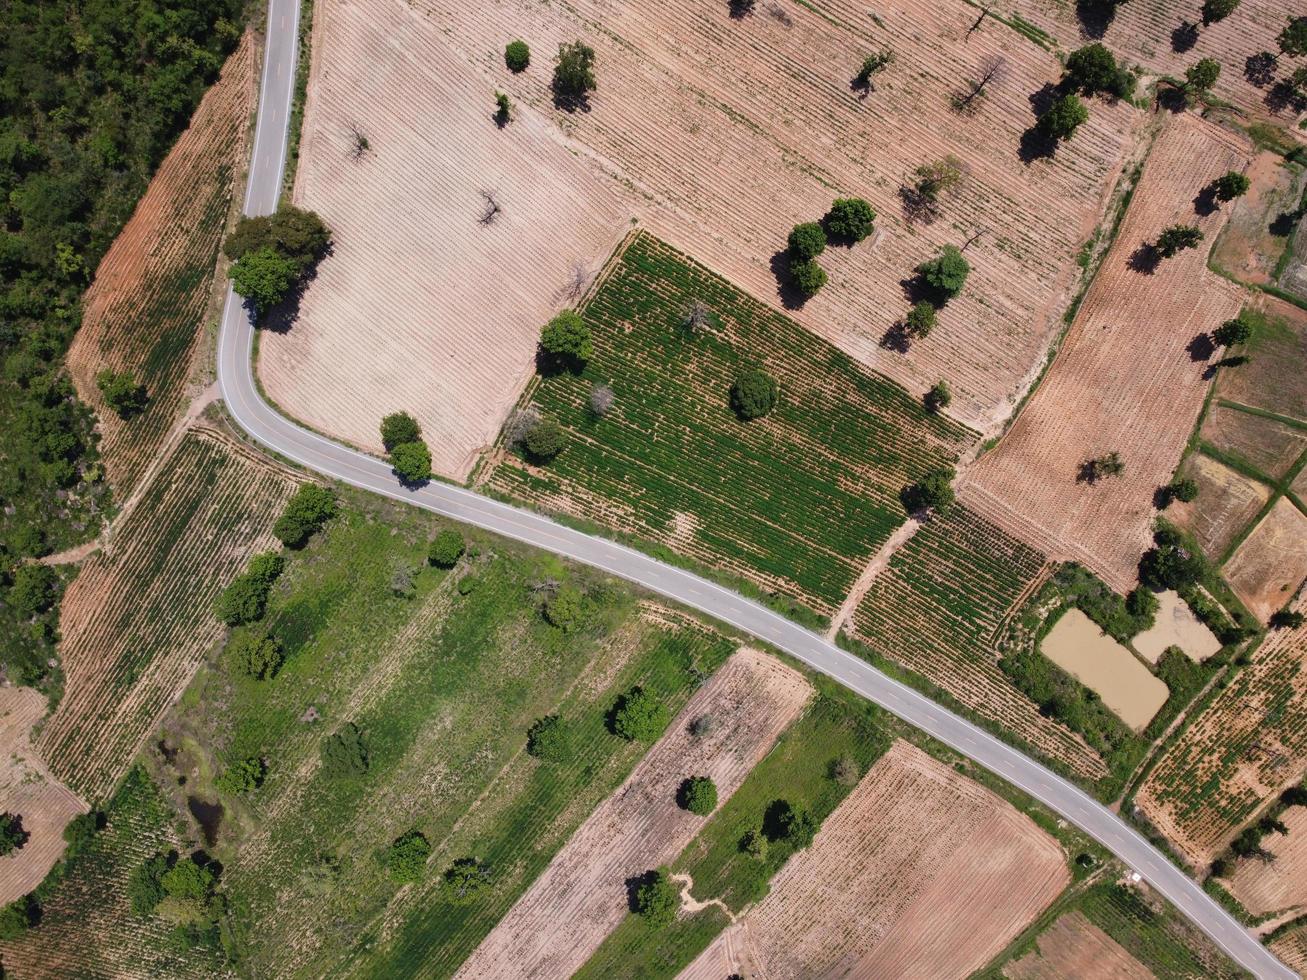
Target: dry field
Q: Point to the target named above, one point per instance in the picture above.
(1274, 379)
(1226, 502)
(1268, 568)
(1075, 947)
(1176, 625)
(865, 899)
(718, 135)
(1248, 248)
(565, 915)
(138, 618)
(1244, 747)
(1291, 948)
(145, 310)
(1272, 447)
(1281, 883)
(27, 789)
(1123, 381)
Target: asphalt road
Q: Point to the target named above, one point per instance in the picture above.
(264, 424)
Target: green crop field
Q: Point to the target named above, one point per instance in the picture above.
(796, 502)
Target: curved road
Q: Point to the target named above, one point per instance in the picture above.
(262, 422)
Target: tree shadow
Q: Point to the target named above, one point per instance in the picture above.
(1205, 202)
(571, 101)
(1162, 498)
(896, 338)
(740, 9)
(791, 296)
(1145, 259)
(916, 288)
(1201, 348)
(1283, 96)
(550, 365)
(1036, 145)
(1087, 473)
(1095, 17)
(1172, 98)
(1184, 37)
(1283, 225)
(918, 209)
(1042, 99)
(1259, 69)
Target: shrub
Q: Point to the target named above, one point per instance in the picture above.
(565, 609)
(1102, 467)
(1092, 69)
(755, 844)
(639, 716)
(446, 549)
(145, 886)
(921, 319)
(310, 508)
(411, 462)
(844, 770)
(1177, 238)
(574, 74)
(17, 917)
(12, 834)
(1202, 75)
(1184, 490)
(245, 599)
(807, 277)
(698, 794)
(517, 56)
(1215, 10)
(1142, 604)
(122, 392)
(258, 655)
(243, 776)
(1230, 185)
(34, 590)
(657, 899)
(1061, 120)
(807, 241)
(265, 277)
(503, 109)
(872, 65)
(407, 857)
(544, 441)
(934, 491)
(938, 178)
(399, 428)
(464, 878)
(850, 219)
(566, 339)
(939, 397)
(1231, 332)
(946, 273)
(754, 394)
(548, 739)
(345, 754)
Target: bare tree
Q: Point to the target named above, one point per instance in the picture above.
(974, 238)
(992, 71)
(779, 14)
(984, 12)
(360, 142)
(490, 208)
(520, 424)
(577, 280)
(697, 317)
(601, 400)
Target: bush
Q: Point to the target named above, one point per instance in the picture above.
(566, 339)
(939, 397)
(1230, 185)
(921, 319)
(754, 394)
(256, 654)
(807, 241)
(12, 834)
(517, 56)
(565, 609)
(850, 219)
(1061, 120)
(755, 844)
(698, 794)
(122, 392)
(1092, 69)
(544, 441)
(1142, 604)
(1184, 490)
(934, 491)
(407, 857)
(548, 739)
(464, 878)
(1177, 238)
(345, 754)
(503, 109)
(310, 508)
(946, 273)
(399, 428)
(807, 277)
(1231, 332)
(657, 898)
(1102, 467)
(873, 64)
(446, 549)
(639, 716)
(243, 776)
(574, 74)
(145, 886)
(411, 462)
(246, 598)
(34, 590)
(1215, 10)
(17, 917)
(265, 277)
(1202, 75)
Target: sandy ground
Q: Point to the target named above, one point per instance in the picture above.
(565, 915)
(1226, 502)
(913, 838)
(1084, 651)
(1281, 883)
(1075, 947)
(716, 134)
(135, 317)
(27, 789)
(1176, 625)
(1270, 565)
(1123, 381)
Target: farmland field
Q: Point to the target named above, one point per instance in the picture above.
(1075, 947)
(1291, 948)
(1271, 446)
(1270, 566)
(1280, 882)
(1123, 381)
(1272, 380)
(797, 501)
(138, 619)
(144, 312)
(1252, 245)
(1227, 501)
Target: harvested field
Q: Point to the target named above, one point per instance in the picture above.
(865, 899)
(1280, 883)
(846, 440)
(1227, 501)
(1273, 380)
(702, 129)
(1078, 646)
(1176, 625)
(1257, 229)
(1272, 447)
(1270, 565)
(938, 609)
(145, 310)
(1075, 947)
(43, 803)
(1123, 381)
(582, 895)
(139, 617)
(1245, 746)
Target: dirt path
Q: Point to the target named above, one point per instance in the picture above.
(692, 905)
(879, 562)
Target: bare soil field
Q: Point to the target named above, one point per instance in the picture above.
(1226, 502)
(1281, 883)
(718, 135)
(145, 310)
(1273, 379)
(1272, 447)
(1078, 646)
(1123, 381)
(865, 899)
(1245, 746)
(565, 915)
(1259, 223)
(138, 619)
(1270, 565)
(43, 803)
(1291, 948)
(1075, 947)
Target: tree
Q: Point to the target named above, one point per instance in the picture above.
(517, 56)
(939, 397)
(1062, 118)
(934, 491)
(1230, 185)
(638, 716)
(406, 858)
(446, 548)
(574, 76)
(12, 834)
(16, 918)
(122, 392)
(145, 886)
(849, 220)
(1201, 76)
(34, 590)
(1171, 564)
(1286, 619)
(245, 599)
(1293, 39)
(873, 65)
(921, 319)
(947, 273)
(81, 830)
(808, 278)
(807, 241)
(1142, 604)
(1231, 332)
(345, 753)
(549, 739)
(242, 776)
(657, 899)
(566, 339)
(307, 510)
(565, 609)
(545, 441)
(291, 232)
(1092, 69)
(503, 109)
(464, 878)
(1184, 489)
(189, 879)
(257, 654)
(411, 461)
(792, 824)
(698, 794)
(398, 428)
(754, 394)
(937, 178)
(601, 400)
(1217, 10)
(1176, 238)
(1102, 467)
(265, 277)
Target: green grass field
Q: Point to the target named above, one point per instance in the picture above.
(797, 501)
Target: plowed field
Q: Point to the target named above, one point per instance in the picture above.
(1281, 883)
(1075, 947)
(1267, 569)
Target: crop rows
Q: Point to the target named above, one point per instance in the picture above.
(145, 309)
(937, 608)
(139, 616)
(797, 501)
